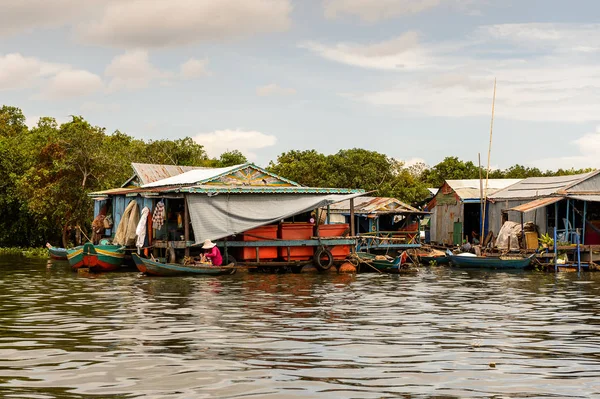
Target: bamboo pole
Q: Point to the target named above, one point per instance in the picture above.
(487, 173)
(480, 199)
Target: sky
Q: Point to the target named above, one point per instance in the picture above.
(413, 79)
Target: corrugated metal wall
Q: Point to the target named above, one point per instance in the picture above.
(495, 215)
(442, 222)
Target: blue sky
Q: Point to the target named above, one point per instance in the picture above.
(412, 79)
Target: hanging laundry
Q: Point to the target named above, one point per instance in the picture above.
(158, 217)
(141, 229)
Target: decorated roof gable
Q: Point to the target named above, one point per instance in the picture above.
(249, 175)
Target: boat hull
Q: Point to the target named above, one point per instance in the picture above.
(57, 253)
(484, 262)
(99, 258)
(370, 262)
(154, 268)
(439, 260)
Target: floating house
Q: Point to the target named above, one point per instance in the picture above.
(381, 222)
(254, 213)
(571, 204)
(456, 208)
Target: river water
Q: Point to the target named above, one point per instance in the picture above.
(439, 332)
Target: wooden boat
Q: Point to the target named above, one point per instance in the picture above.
(98, 258)
(56, 253)
(368, 262)
(491, 262)
(155, 268)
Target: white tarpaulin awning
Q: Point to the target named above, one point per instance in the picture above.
(222, 215)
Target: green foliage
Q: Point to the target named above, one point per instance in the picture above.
(231, 158)
(451, 168)
(50, 170)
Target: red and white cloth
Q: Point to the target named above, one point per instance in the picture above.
(158, 217)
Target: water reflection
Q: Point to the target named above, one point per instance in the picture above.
(433, 333)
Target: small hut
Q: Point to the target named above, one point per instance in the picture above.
(456, 209)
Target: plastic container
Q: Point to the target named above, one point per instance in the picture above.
(336, 230)
(259, 234)
(296, 231)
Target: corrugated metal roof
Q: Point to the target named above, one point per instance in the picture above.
(374, 205)
(149, 173)
(470, 188)
(475, 183)
(247, 172)
(214, 189)
(134, 190)
(586, 197)
(535, 204)
(192, 177)
(534, 187)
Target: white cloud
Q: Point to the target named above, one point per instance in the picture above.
(27, 15)
(194, 68)
(71, 83)
(133, 70)
(17, 71)
(402, 52)
(562, 37)
(245, 141)
(455, 79)
(274, 89)
(371, 11)
(413, 161)
(167, 23)
(56, 81)
(376, 10)
(588, 148)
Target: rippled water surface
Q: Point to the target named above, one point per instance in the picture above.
(438, 332)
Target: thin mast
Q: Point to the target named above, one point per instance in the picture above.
(480, 198)
(487, 173)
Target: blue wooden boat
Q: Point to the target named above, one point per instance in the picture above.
(490, 262)
(56, 252)
(155, 268)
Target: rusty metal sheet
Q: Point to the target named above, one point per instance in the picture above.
(538, 203)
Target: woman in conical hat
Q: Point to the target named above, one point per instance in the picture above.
(212, 252)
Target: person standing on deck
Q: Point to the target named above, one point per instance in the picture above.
(212, 252)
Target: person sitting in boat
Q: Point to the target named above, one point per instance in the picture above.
(212, 253)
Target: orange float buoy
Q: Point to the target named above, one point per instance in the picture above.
(347, 267)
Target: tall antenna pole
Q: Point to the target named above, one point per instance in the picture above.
(480, 199)
(487, 173)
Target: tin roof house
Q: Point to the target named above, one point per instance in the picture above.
(456, 209)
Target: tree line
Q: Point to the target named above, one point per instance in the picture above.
(50, 169)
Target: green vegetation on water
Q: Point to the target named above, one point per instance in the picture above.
(50, 170)
(25, 252)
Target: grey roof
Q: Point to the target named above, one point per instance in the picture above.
(535, 187)
(471, 188)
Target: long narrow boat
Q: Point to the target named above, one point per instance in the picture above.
(155, 268)
(98, 258)
(56, 253)
(490, 262)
